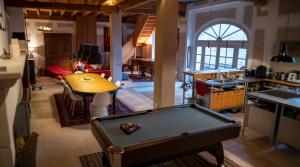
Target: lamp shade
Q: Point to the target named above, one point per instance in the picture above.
(283, 56)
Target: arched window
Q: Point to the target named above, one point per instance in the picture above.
(221, 46)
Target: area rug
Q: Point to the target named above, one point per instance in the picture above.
(203, 159)
(67, 120)
(140, 78)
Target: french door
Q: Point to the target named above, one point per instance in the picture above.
(220, 57)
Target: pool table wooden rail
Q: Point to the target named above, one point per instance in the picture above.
(162, 149)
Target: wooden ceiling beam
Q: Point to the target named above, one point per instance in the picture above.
(130, 4)
(69, 18)
(62, 12)
(25, 12)
(74, 12)
(60, 6)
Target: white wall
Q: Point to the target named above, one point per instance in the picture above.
(3, 34)
(8, 103)
(274, 25)
(265, 27)
(36, 37)
(37, 45)
(16, 21)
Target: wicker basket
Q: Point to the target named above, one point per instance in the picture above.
(27, 156)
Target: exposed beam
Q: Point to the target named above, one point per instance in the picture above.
(130, 4)
(62, 12)
(70, 18)
(59, 6)
(42, 17)
(25, 11)
(74, 12)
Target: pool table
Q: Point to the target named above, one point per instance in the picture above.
(165, 134)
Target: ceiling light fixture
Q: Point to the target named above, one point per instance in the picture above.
(283, 56)
(44, 28)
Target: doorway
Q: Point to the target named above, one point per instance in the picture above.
(58, 49)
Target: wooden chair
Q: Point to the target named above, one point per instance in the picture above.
(110, 79)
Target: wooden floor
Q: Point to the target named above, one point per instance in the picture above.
(60, 147)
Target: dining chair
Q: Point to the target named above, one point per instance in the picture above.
(98, 108)
(63, 82)
(76, 101)
(118, 84)
(78, 72)
(102, 75)
(110, 79)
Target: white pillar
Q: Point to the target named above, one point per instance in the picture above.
(116, 46)
(165, 52)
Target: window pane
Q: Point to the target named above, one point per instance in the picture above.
(230, 30)
(199, 50)
(213, 60)
(206, 37)
(238, 36)
(210, 31)
(213, 51)
(198, 58)
(226, 32)
(198, 66)
(242, 53)
(229, 52)
(207, 50)
(222, 61)
(223, 28)
(241, 63)
(217, 29)
(229, 61)
(223, 52)
(207, 59)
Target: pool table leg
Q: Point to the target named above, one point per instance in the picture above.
(105, 161)
(218, 152)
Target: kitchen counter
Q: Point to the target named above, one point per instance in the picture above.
(284, 97)
(224, 83)
(288, 83)
(274, 122)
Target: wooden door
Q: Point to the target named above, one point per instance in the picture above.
(58, 49)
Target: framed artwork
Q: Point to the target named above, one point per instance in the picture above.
(2, 17)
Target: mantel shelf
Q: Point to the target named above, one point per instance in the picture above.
(14, 70)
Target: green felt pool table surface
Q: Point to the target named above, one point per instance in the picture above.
(162, 123)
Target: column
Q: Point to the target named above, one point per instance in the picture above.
(116, 46)
(165, 52)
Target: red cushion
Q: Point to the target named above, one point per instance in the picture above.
(54, 71)
(89, 67)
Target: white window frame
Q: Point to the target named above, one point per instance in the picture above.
(219, 43)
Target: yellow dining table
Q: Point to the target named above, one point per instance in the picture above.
(87, 84)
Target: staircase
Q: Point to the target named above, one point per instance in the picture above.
(127, 51)
(144, 28)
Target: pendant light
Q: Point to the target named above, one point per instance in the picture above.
(283, 56)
